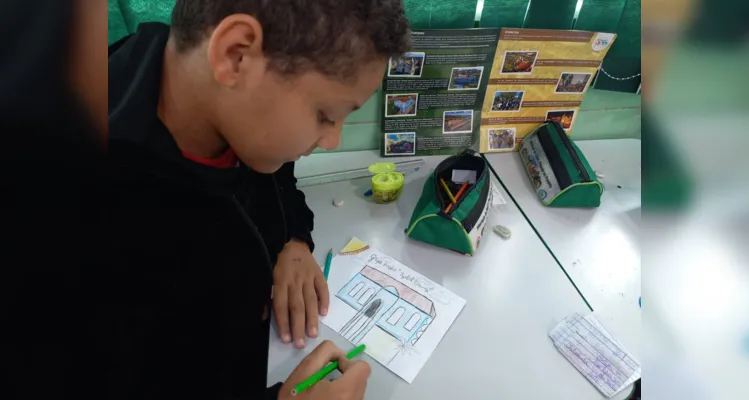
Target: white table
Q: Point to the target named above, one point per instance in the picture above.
(498, 347)
(598, 247)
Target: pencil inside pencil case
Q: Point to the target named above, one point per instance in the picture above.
(456, 226)
(558, 170)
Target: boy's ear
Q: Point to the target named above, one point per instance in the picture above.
(235, 51)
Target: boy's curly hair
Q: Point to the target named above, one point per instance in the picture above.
(331, 37)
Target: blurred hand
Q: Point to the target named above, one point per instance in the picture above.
(350, 386)
(300, 291)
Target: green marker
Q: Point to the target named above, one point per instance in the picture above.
(328, 260)
(321, 374)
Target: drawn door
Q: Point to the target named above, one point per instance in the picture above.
(358, 326)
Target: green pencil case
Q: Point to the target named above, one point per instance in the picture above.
(558, 169)
(460, 228)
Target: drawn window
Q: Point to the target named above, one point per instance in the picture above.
(363, 299)
(396, 316)
(356, 289)
(412, 322)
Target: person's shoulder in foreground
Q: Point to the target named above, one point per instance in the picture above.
(232, 83)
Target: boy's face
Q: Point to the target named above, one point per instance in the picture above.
(271, 120)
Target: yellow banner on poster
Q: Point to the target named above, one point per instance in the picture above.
(538, 75)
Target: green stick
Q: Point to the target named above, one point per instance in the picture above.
(321, 374)
(328, 260)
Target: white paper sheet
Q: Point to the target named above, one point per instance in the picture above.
(497, 198)
(398, 313)
(586, 344)
(464, 175)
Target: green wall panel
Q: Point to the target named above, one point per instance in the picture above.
(369, 111)
(134, 12)
(600, 15)
(440, 14)
(423, 14)
(619, 67)
(618, 100)
(629, 39)
(720, 21)
(624, 58)
(451, 14)
(503, 13)
(116, 25)
(364, 136)
(550, 14)
(418, 13)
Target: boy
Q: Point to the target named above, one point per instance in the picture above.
(206, 120)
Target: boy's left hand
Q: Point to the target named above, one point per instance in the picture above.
(300, 291)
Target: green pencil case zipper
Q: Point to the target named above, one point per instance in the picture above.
(558, 170)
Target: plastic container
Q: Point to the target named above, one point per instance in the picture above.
(387, 184)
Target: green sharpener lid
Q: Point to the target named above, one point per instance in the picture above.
(386, 178)
(382, 167)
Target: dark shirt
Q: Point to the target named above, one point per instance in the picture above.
(193, 246)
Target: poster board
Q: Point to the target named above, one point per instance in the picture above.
(538, 74)
(433, 95)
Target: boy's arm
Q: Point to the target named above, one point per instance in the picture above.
(299, 218)
(299, 287)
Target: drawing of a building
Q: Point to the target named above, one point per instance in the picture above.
(387, 303)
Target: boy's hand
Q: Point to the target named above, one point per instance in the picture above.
(299, 293)
(349, 386)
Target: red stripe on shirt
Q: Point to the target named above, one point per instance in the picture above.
(226, 160)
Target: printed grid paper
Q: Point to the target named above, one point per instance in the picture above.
(585, 343)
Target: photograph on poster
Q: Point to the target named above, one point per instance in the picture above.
(401, 105)
(501, 138)
(457, 121)
(408, 65)
(400, 143)
(572, 83)
(507, 101)
(564, 117)
(465, 78)
(519, 62)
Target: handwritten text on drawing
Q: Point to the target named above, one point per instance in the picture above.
(436, 294)
(416, 282)
(387, 263)
(404, 277)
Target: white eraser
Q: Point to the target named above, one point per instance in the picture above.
(337, 202)
(464, 175)
(599, 175)
(502, 231)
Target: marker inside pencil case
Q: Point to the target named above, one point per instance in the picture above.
(457, 226)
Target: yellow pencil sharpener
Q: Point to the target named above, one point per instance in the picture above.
(387, 183)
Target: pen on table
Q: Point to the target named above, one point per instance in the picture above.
(457, 196)
(321, 374)
(447, 189)
(328, 260)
